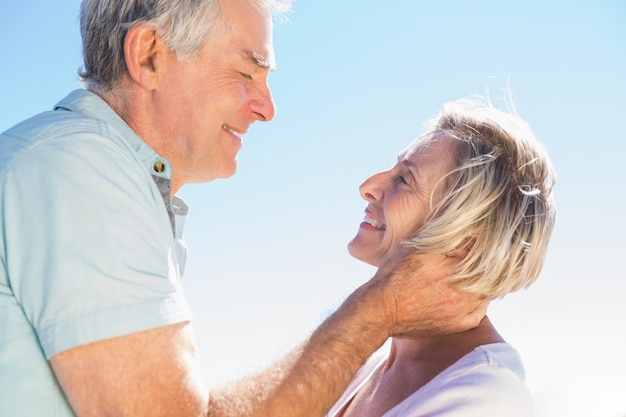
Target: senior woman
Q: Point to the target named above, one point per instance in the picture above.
(477, 186)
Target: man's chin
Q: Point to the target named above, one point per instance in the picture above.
(229, 170)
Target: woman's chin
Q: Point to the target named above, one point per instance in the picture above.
(363, 257)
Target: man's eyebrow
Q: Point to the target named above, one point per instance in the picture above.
(402, 160)
(260, 61)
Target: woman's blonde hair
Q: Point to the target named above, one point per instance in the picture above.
(498, 211)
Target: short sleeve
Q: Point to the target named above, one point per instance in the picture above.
(90, 251)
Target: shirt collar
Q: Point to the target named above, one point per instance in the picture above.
(90, 104)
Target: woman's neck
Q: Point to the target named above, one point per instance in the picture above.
(445, 349)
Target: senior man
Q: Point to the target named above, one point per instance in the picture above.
(92, 314)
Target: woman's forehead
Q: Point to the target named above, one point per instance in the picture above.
(421, 144)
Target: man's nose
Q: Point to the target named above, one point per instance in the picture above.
(262, 104)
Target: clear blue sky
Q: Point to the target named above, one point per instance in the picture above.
(356, 79)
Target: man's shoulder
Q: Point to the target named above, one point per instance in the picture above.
(59, 133)
(50, 124)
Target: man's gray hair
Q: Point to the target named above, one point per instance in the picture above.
(184, 25)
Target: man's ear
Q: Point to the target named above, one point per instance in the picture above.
(145, 54)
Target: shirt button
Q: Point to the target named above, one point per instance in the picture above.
(159, 166)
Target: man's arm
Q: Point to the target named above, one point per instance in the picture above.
(311, 378)
(155, 373)
(408, 296)
(150, 373)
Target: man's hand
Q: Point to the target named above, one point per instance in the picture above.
(412, 293)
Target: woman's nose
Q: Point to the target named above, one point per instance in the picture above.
(371, 189)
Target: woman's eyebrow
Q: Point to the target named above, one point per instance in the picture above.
(411, 167)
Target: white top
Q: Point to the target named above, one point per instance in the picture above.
(489, 381)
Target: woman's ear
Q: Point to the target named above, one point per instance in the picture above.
(145, 53)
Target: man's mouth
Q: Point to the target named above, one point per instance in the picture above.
(374, 223)
(232, 131)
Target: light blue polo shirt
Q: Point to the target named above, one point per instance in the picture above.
(90, 244)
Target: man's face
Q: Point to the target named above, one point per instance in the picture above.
(206, 104)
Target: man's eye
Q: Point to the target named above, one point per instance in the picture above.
(248, 76)
(401, 180)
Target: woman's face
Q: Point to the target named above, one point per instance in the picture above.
(399, 199)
